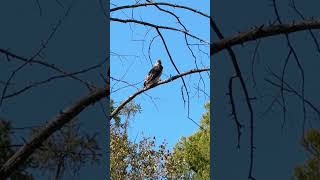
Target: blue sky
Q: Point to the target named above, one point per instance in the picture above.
(164, 115)
(81, 41)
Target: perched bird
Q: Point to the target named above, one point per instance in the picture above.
(153, 75)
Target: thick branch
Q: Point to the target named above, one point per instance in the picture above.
(262, 32)
(159, 3)
(117, 110)
(52, 126)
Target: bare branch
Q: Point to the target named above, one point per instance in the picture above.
(246, 93)
(253, 62)
(159, 3)
(298, 64)
(233, 110)
(293, 5)
(175, 67)
(157, 27)
(262, 32)
(291, 90)
(45, 64)
(42, 47)
(52, 126)
(38, 83)
(131, 97)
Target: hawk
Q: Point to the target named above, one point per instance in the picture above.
(153, 75)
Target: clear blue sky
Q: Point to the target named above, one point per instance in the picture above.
(164, 117)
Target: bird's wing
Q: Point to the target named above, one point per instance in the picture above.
(153, 73)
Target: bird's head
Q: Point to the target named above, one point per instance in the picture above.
(158, 62)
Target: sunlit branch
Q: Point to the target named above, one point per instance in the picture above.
(131, 97)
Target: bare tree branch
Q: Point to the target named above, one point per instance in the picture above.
(159, 3)
(294, 53)
(43, 46)
(52, 126)
(262, 32)
(233, 110)
(291, 90)
(246, 93)
(293, 5)
(38, 83)
(157, 27)
(44, 64)
(131, 97)
(175, 67)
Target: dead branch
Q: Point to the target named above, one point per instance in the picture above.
(131, 97)
(246, 93)
(159, 3)
(38, 83)
(296, 58)
(175, 67)
(262, 32)
(293, 6)
(43, 46)
(52, 126)
(291, 90)
(233, 111)
(12, 56)
(157, 27)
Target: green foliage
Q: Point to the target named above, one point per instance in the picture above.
(68, 148)
(311, 169)
(191, 155)
(130, 160)
(5, 141)
(6, 151)
(190, 158)
(134, 160)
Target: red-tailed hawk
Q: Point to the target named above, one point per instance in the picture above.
(154, 74)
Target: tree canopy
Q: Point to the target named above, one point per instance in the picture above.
(189, 159)
(310, 170)
(192, 153)
(66, 149)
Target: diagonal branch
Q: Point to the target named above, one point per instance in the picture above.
(262, 32)
(38, 53)
(11, 55)
(117, 110)
(175, 67)
(291, 90)
(38, 83)
(52, 126)
(313, 36)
